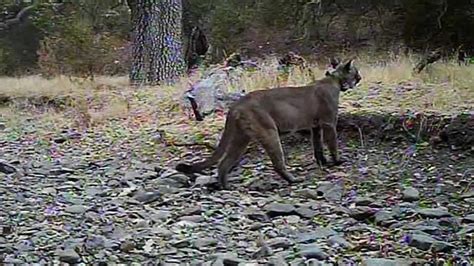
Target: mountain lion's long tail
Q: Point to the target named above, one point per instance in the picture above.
(215, 157)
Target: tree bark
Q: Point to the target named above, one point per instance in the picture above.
(157, 41)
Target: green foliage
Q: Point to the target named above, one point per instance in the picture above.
(227, 23)
(230, 25)
(438, 23)
(77, 50)
(98, 14)
(6, 59)
(278, 13)
(73, 35)
(226, 20)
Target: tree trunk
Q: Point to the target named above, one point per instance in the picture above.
(157, 44)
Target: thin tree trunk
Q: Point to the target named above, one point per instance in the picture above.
(140, 25)
(157, 50)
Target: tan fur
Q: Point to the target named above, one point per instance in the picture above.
(261, 115)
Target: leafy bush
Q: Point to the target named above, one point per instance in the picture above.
(77, 50)
(6, 61)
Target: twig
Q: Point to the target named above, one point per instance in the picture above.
(194, 106)
(443, 12)
(361, 136)
(420, 129)
(207, 145)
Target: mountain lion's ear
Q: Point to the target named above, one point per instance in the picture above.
(348, 65)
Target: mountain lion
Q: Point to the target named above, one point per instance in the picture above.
(261, 115)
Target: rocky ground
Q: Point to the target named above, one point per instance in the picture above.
(110, 195)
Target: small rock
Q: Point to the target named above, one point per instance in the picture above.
(202, 181)
(469, 194)
(362, 213)
(263, 184)
(279, 242)
(309, 194)
(469, 229)
(305, 212)
(429, 229)
(10, 260)
(192, 218)
(205, 242)
(385, 218)
(262, 252)
(76, 209)
(452, 222)
(49, 190)
(227, 259)
(61, 171)
(279, 209)
(318, 233)
(195, 210)
(256, 226)
(421, 242)
(140, 223)
(312, 251)
(171, 182)
(383, 262)
(127, 246)
(97, 242)
(256, 215)
(69, 256)
(182, 243)
(468, 219)
(163, 232)
(315, 262)
(60, 140)
(5, 230)
(181, 178)
(277, 261)
(292, 219)
(411, 194)
(195, 262)
(340, 242)
(363, 201)
(186, 224)
(330, 191)
(147, 197)
(165, 190)
(441, 246)
(160, 215)
(433, 212)
(7, 168)
(298, 262)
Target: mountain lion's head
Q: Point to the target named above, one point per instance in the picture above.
(347, 74)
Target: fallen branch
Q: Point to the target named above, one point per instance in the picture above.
(207, 145)
(19, 18)
(427, 60)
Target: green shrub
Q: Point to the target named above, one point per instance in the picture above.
(5, 61)
(76, 50)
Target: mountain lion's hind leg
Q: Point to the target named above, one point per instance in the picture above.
(272, 145)
(234, 151)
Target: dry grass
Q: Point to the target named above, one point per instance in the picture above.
(389, 86)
